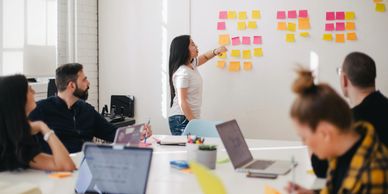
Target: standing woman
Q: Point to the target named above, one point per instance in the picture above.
(186, 82)
(18, 148)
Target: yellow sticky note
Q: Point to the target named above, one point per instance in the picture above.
(290, 38)
(242, 15)
(256, 14)
(232, 15)
(222, 56)
(380, 7)
(304, 34)
(350, 26)
(235, 53)
(252, 25)
(350, 15)
(258, 52)
(246, 54)
(282, 26)
(340, 38)
(208, 182)
(224, 39)
(291, 26)
(270, 190)
(234, 66)
(241, 26)
(327, 37)
(221, 64)
(351, 36)
(303, 23)
(247, 65)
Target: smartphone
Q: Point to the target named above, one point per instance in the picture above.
(261, 175)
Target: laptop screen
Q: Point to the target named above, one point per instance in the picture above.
(129, 135)
(234, 143)
(114, 169)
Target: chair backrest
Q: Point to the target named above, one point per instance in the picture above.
(51, 88)
(202, 128)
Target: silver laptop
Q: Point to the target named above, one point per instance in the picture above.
(114, 169)
(129, 135)
(241, 157)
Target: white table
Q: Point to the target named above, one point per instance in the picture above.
(164, 179)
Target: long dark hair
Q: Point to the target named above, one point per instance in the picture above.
(179, 55)
(15, 131)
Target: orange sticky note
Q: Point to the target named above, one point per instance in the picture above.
(247, 66)
(252, 25)
(303, 23)
(246, 54)
(377, 1)
(222, 56)
(327, 37)
(258, 52)
(351, 36)
(224, 39)
(282, 26)
(232, 15)
(270, 190)
(380, 7)
(340, 38)
(256, 14)
(242, 15)
(235, 53)
(350, 15)
(304, 34)
(350, 26)
(241, 26)
(291, 26)
(234, 66)
(290, 38)
(221, 64)
(59, 175)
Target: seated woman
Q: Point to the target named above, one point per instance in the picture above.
(358, 161)
(18, 148)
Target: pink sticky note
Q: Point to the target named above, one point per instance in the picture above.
(221, 26)
(257, 40)
(329, 27)
(223, 15)
(281, 15)
(340, 26)
(303, 14)
(340, 15)
(246, 40)
(330, 16)
(292, 14)
(236, 41)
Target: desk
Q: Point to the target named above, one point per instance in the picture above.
(164, 179)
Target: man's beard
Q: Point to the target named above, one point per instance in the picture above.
(81, 94)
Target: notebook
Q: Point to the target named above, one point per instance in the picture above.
(241, 157)
(114, 169)
(129, 135)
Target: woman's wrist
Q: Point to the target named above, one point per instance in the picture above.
(215, 52)
(47, 135)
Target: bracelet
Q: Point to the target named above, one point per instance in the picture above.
(214, 52)
(47, 135)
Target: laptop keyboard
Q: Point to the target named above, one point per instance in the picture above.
(260, 164)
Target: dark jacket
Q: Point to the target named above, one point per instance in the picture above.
(73, 126)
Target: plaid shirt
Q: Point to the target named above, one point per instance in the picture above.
(368, 170)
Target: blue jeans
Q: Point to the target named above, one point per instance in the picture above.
(177, 124)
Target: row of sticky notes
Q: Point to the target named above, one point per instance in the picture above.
(340, 38)
(242, 15)
(240, 25)
(303, 24)
(234, 66)
(246, 54)
(224, 39)
(340, 15)
(340, 26)
(291, 37)
(292, 14)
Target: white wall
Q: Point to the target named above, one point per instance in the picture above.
(133, 57)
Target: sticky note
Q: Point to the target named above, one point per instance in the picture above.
(246, 40)
(234, 66)
(291, 26)
(290, 38)
(304, 34)
(340, 38)
(246, 54)
(282, 26)
(257, 40)
(329, 27)
(350, 26)
(223, 39)
(270, 190)
(351, 36)
(208, 182)
(221, 64)
(221, 26)
(350, 15)
(258, 52)
(235, 53)
(222, 56)
(223, 15)
(232, 15)
(327, 37)
(340, 26)
(236, 41)
(340, 15)
(247, 66)
(281, 15)
(242, 15)
(330, 16)
(377, 1)
(241, 26)
(252, 25)
(380, 7)
(256, 14)
(303, 23)
(292, 14)
(303, 14)
(59, 175)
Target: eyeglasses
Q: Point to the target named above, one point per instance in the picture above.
(338, 70)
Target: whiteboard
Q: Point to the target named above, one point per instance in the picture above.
(260, 99)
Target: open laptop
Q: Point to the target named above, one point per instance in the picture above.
(114, 169)
(241, 157)
(129, 135)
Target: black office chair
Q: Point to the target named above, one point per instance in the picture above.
(51, 88)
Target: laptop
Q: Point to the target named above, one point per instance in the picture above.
(114, 169)
(129, 135)
(241, 157)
